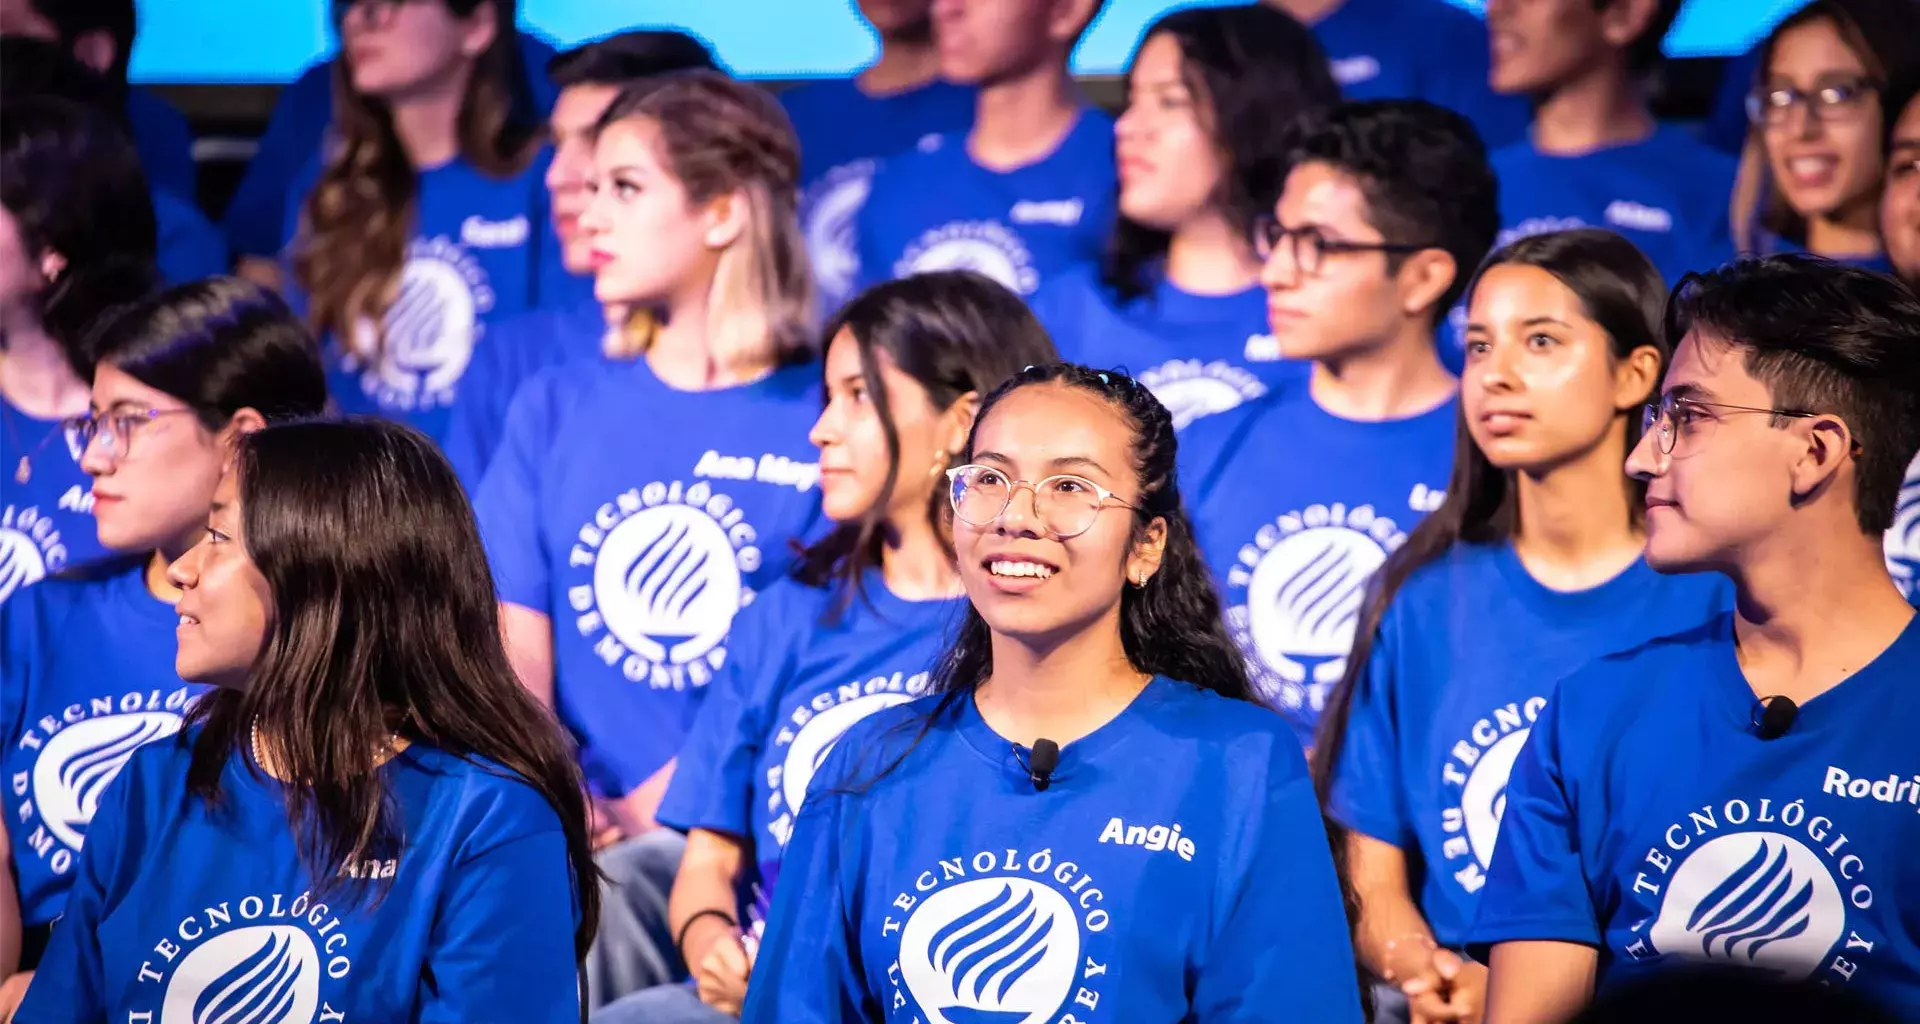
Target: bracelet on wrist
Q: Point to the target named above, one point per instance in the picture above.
(680, 940)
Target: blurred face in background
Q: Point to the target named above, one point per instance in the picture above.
(154, 465)
(1537, 45)
(910, 20)
(399, 49)
(649, 243)
(981, 42)
(575, 113)
(1170, 166)
(1819, 116)
(1900, 203)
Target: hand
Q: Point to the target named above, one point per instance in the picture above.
(719, 963)
(12, 991)
(1446, 989)
(603, 826)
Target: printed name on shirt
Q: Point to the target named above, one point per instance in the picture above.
(1064, 212)
(430, 329)
(1041, 915)
(1153, 837)
(1425, 499)
(369, 869)
(30, 546)
(1475, 774)
(227, 960)
(1891, 790)
(810, 732)
(767, 469)
(480, 233)
(81, 750)
(1354, 70)
(1628, 214)
(1753, 883)
(1262, 348)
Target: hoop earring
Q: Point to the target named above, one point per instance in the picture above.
(1140, 580)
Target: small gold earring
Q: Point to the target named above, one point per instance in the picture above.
(940, 459)
(1140, 580)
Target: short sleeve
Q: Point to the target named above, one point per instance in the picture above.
(508, 503)
(1536, 888)
(713, 778)
(1368, 794)
(502, 942)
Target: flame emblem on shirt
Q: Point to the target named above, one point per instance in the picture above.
(1902, 542)
(81, 760)
(265, 974)
(429, 330)
(991, 951)
(1755, 899)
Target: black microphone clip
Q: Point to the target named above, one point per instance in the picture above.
(1771, 717)
(1046, 757)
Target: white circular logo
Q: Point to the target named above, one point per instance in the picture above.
(262, 974)
(1903, 540)
(430, 331)
(1757, 899)
(78, 762)
(831, 217)
(20, 562)
(984, 247)
(816, 740)
(1004, 950)
(1303, 602)
(1483, 800)
(666, 583)
(1191, 390)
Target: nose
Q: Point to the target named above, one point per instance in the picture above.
(1646, 461)
(593, 219)
(1496, 369)
(94, 459)
(1021, 517)
(184, 572)
(824, 430)
(1279, 272)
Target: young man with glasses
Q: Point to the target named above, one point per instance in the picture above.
(1596, 157)
(1742, 793)
(1299, 495)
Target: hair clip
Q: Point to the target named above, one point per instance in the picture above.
(1104, 380)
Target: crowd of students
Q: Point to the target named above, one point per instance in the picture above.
(597, 537)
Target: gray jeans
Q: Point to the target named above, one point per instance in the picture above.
(633, 949)
(662, 1004)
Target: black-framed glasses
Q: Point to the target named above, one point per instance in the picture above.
(1673, 417)
(1835, 101)
(1310, 247)
(1066, 505)
(378, 12)
(114, 428)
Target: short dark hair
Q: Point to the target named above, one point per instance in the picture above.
(1423, 170)
(1643, 54)
(75, 18)
(619, 59)
(38, 67)
(1828, 338)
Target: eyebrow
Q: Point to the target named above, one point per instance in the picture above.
(1689, 391)
(1064, 462)
(627, 169)
(1532, 321)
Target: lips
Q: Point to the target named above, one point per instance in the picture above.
(1654, 501)
(1503, 421)
(1013, 573)
(1812, 170)
(599, 258)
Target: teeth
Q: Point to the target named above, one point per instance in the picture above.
(188, 620)
(1810, 164)
(1006, 568)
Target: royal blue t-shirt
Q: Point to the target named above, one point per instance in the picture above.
(180, 911)
(255, 219)
(474, 259)
(1420, 49)
(46, 524)
(1646, 817)
(843, 132)
(189, 248)
(934, 208)
(86, 677)
(1766, 243)
(1175, 869)
(1294, 509)
(164, 141)
(1464, 660)
(1200, 354)
(640, 519)
(1902, 542)
(516, 349)
(1667, 194)
(793, 684)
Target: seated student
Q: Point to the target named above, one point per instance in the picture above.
(846, 124)
(1178, 300)
(857, 627)
(1900, 228)
(1721, 795)
(1298, 496)
(372, 823)
(1413, 49)
(76, 239)
(87, 660)
(1027, 192)
(564, 327)
(255, 219)
(1088, 811)
(1817, 111)
(418, 231)
(100, 35)
(189, 247)
(1596, 156)
(1531, 568)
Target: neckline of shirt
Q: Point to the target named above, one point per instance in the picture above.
(1738, 697)
(999, 751)
(1599, 596)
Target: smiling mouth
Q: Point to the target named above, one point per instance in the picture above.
(1012, 569)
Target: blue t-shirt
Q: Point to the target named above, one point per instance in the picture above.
(180, 911)
(934, 208)
(1200, 354)
(1295, 508)
(1463, 662)
(1646, 817)
(1175, 869)
(843, 132)
(86, 677)
(516, 349)
(1766, 243)
(255, 219)
(46, 524)
(1420, 49)
(1667, 194)
(189, 247)
(1902, 542)
(164, 141)
(640, 519)
(474, 259)
(793, 684)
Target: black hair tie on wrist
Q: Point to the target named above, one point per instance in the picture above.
(680, 940)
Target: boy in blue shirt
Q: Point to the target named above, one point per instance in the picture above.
(1596, 157)
(1299, 495)
(1741, 794)
(1029, 190)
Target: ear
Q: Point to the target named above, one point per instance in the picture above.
(96, 50)
(1829, 449)
(727, 217)
(1148, 553)
(52, 265)
(1424, 277)
(482, 27)
(959, 420)
(1070, 19)
(1623, 21)
(245, 421)
(1635, 377)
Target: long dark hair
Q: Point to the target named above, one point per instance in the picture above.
(383, 622)
(1250, 68)
(954, 332)
(356, 222)
(1621, 292)
(72, 182)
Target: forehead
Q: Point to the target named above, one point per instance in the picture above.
(113, 386)
(1706, 362)
(1040, 423)
(1159, 61)
(630, 143)
(843, 355)
(1814, 48)
(1514, 290)
(1906, 131)
(1320, 193)
(579, 106)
